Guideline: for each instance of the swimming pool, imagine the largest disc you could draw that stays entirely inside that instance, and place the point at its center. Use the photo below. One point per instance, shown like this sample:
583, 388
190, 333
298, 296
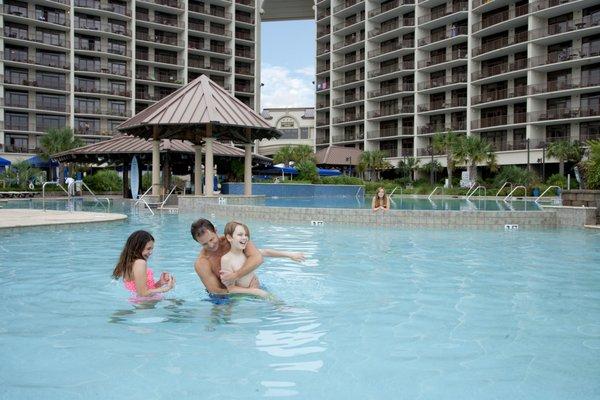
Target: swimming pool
374, 313
405, 203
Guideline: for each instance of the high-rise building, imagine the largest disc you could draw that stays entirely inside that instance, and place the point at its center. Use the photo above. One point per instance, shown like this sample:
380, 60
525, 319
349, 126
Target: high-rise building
91, 64
390, 74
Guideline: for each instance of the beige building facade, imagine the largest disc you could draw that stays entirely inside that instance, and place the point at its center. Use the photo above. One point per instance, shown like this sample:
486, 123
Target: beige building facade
297, 126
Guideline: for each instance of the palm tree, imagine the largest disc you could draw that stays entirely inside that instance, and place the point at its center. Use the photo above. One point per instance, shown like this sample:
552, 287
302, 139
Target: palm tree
473, 150
284, 155
296, 154
373, 161
446, 143
564, 151
412, 164
56, 141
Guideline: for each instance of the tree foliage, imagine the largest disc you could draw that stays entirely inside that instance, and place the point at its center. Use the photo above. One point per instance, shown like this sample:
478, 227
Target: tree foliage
446, 143
307, 171
564, 151
58, 140
373, 162
297, 154
592, 165
473, 150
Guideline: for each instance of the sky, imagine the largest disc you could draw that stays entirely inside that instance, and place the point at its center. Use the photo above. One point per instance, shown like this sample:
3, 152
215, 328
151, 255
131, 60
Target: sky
288, 64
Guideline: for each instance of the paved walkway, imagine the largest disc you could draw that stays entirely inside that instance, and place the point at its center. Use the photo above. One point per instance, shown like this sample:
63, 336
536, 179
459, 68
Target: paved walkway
14, 218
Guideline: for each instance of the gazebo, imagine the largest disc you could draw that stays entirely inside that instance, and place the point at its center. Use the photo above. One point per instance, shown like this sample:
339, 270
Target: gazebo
200, 112
175, 155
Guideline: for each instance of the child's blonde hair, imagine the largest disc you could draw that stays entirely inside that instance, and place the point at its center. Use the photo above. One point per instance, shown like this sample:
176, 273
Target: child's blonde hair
230, 228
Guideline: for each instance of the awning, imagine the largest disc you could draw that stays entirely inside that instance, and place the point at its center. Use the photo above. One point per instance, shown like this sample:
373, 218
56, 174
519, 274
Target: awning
294, 171
38, 162
4, 162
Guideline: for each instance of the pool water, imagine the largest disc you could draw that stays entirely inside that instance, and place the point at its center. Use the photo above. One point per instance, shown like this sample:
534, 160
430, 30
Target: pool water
372, 314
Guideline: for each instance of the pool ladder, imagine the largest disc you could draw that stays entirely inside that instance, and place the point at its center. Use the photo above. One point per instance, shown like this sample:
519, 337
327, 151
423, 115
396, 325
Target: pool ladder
510, 195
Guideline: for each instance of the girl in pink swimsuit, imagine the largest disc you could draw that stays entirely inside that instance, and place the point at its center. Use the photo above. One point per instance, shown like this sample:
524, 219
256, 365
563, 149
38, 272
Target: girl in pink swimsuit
133, 268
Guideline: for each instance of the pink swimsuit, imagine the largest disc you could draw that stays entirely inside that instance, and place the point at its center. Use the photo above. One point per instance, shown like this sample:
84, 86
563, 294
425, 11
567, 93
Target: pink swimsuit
130, 285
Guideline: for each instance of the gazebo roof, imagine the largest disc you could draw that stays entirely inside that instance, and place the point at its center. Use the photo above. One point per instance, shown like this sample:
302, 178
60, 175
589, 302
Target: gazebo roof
124, 147
338, 155
199, 109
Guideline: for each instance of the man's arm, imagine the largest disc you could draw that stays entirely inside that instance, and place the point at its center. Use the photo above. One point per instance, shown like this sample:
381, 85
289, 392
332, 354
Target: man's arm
209, 280
253, 259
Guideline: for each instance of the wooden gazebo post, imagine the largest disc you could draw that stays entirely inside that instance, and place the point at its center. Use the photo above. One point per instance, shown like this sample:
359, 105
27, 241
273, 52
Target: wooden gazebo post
156, 162
208, 163
197, 169
247, 165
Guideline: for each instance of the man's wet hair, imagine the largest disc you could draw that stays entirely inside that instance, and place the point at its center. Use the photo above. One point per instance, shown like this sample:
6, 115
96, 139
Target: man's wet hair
200, 227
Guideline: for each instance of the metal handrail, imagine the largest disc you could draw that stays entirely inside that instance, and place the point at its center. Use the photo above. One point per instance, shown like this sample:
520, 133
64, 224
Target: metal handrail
431, 194
169, 195
475, 191
142, 196
503, 186
391, 194
57, 183
470, 188
548, 188
508, 196
96, 197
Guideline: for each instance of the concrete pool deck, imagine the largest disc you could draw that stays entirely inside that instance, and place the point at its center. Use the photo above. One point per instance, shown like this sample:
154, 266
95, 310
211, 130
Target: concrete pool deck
19, 218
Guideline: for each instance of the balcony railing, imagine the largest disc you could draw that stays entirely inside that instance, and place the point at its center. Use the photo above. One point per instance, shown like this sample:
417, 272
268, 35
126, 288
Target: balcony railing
346, 24
322, 121
390, 6
322, 139
348, 42
347, 80
435, 128
209, 29
450, 9
102, 111
543, 4
390, 132
323, 14
33, 37
454, 55
564, 113
348, 99
499, 95
553, 86
388, 48
569, 26
439, 105
34, 83
450, 33
244, 18
501, 43
241, 70
161, 58
348, 137
243, 36
214, 49
346, 4
500, 69
244, 53
443, 81
249, 3
408, 109
498, 120
31, 14
172, 41
501, 16
103, 90
244, 88
403, 87
348, 61
348, 118
392, 68
115, 8
160, 20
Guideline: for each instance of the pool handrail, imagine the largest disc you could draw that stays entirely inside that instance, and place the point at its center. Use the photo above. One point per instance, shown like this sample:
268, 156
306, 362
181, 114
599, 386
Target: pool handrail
391, 194
548, 188
471, 188
57, 183
503, 186
508, 196
96, 197
169, 195
433, 191
142, 196
475, 191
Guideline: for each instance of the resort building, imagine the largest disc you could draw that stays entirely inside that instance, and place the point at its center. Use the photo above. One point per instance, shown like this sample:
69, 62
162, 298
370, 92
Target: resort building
390, 74
297, 126
91, 64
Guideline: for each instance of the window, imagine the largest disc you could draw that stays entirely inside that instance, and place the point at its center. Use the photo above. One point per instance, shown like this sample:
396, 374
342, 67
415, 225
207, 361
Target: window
590, 103
52, 37
16, 121
116, 107
86, 84
46, 122
589, 130
112, 125
557, 132
52, 102
87, 126
16, 99
15, 76
118, 68
51, 59
51, 80
91, 43
16, 8
16, 144
18, 54
18, 31
84, 21
590, 75
85, 105
50, 15
303, 133
87, 64
118, 88
117, 47
289, 133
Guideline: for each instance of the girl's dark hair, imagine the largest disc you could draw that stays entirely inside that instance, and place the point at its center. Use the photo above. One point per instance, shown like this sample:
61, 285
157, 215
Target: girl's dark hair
132, 251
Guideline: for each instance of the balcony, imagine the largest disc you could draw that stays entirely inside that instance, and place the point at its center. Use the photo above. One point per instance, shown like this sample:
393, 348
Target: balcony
390, 132
450, 9
322, 122
31, 14
244, 18
34, 37
409, 109
389, 152
323, 14
322, 139
408, 65
544, 4
554, 86
440, 105
563, 27
102, 111
345, 24
563, 113
171, 41
348, 42
346, 4
105, 90
390, 6
171, 22
213, 49
429, 129
323, 86
249, 3
244, 53
348, 80
501, 16
41, 84
168, 3
347, 61
348, 99
443, 81
450, 33
16, 126
390, 48
348, 137
499, 95
244, 36
240, 70
405, 87
209, 29
500, 120
208, 11
406, 22
500, 69
501, 43
348, 118
114, 8
244, 88
454, 56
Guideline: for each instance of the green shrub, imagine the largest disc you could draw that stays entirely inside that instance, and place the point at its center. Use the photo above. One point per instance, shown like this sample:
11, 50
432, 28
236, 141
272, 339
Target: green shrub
515, 175
104, 181
592, 165
146, 179
557, 180
307, 171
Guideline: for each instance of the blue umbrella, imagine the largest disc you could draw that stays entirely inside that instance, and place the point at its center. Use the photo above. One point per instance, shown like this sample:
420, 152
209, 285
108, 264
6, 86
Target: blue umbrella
294, 171
38, 162
4, 162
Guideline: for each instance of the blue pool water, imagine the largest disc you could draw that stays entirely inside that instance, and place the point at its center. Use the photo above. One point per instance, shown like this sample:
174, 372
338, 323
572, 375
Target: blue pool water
405, 203
372, 314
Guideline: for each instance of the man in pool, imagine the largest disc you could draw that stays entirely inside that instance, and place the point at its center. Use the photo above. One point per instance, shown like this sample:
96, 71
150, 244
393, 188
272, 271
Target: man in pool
208, 263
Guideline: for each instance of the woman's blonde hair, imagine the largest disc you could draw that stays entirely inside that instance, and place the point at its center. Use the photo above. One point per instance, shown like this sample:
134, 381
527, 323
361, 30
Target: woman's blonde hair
381, 201
230, 228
